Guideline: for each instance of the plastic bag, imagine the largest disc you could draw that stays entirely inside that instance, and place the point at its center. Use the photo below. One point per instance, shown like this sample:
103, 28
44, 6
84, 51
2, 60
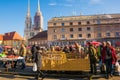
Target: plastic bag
34, 67
117, 65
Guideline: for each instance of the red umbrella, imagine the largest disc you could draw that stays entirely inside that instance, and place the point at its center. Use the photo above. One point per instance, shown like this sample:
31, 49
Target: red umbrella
7, 46
96, 43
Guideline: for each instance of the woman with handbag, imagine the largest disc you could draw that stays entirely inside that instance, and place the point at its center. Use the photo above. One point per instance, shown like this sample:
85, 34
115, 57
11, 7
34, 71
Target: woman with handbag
38, 61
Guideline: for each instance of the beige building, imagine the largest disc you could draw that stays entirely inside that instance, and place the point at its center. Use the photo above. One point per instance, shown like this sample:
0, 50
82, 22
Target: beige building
67, 30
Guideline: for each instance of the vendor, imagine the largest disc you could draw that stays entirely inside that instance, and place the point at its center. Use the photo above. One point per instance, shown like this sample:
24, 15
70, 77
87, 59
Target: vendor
5, 51
1, 49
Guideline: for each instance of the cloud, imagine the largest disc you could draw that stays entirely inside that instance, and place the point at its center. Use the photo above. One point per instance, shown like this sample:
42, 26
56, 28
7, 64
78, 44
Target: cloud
55, 4
95, 1
52, 4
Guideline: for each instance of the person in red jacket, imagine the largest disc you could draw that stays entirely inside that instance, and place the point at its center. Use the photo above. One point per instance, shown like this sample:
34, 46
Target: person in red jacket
109, 58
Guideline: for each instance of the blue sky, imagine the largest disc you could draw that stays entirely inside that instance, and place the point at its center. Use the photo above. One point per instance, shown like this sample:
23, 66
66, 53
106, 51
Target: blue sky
13, 12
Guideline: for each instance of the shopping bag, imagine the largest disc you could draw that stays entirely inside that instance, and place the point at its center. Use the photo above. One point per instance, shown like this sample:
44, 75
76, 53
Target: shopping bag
117, 65
34, 67
103, 66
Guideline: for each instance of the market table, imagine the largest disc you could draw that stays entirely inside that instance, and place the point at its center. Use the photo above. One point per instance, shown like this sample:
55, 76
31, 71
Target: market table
7, 60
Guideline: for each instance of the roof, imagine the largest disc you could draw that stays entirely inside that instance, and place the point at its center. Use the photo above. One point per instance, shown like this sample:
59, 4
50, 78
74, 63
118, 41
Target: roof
12, 36
1, 37
85, 17
40, 35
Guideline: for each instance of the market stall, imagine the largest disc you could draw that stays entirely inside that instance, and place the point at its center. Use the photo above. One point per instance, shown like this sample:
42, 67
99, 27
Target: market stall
9, 60
60, 62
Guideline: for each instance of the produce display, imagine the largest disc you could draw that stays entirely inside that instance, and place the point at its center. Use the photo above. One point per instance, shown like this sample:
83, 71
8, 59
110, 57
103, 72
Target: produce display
12, 56
2, 55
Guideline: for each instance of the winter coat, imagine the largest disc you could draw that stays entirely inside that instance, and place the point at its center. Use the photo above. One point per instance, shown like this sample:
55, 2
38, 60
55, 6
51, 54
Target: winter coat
92, 54
33, 51
113, 54
23, 51
38, 59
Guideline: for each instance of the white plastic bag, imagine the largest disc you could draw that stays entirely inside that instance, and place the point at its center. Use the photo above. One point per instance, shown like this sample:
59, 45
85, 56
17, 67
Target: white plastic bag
34, 67
117, 66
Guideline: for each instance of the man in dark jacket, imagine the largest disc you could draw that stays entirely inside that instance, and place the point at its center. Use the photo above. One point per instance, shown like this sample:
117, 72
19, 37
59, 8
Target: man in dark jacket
33, 51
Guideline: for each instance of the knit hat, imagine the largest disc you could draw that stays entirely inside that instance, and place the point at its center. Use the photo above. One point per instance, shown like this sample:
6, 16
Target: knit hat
108, 42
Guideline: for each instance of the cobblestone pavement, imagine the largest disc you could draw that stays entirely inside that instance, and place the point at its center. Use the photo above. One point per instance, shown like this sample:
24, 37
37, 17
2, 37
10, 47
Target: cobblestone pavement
18, 77
29, 71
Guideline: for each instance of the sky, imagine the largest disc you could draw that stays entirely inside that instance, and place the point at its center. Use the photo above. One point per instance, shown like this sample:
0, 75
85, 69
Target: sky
13, 12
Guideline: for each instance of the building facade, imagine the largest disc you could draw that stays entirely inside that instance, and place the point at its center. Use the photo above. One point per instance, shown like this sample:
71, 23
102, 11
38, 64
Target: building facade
11, 39
39, 39
33, 29
67, 30
1, 39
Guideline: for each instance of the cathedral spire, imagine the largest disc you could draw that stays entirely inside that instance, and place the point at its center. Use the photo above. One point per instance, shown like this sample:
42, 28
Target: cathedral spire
38, 7
28, 12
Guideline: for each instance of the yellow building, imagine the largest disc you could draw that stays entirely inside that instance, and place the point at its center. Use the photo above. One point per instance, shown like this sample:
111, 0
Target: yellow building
70, 29
1, 39
12, 39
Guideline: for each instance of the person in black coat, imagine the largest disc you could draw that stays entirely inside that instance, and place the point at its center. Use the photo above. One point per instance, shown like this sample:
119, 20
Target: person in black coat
33, 51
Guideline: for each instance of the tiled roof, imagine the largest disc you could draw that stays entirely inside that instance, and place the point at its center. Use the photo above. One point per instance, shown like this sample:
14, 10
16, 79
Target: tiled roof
40, 35
12, 36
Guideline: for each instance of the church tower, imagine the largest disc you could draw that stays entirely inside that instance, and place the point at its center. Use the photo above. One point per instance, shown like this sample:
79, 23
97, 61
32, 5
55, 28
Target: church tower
38, 20
31, 30
28, 23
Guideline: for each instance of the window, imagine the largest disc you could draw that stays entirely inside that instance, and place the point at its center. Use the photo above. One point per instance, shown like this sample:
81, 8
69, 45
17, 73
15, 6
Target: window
80, 35
108, 34
71, 23
88, 35
98, 21
88, 28
54, 30
99, 35
79, 23
54, 24
62, 24
31, 34
71, 36
117, 34
62, 30
79, 29
27, 26
88, 22
63, 36
54, 37
71, 29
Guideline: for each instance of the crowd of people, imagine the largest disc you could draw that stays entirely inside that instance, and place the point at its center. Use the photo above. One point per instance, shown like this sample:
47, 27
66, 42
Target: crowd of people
103, 54
14, 52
